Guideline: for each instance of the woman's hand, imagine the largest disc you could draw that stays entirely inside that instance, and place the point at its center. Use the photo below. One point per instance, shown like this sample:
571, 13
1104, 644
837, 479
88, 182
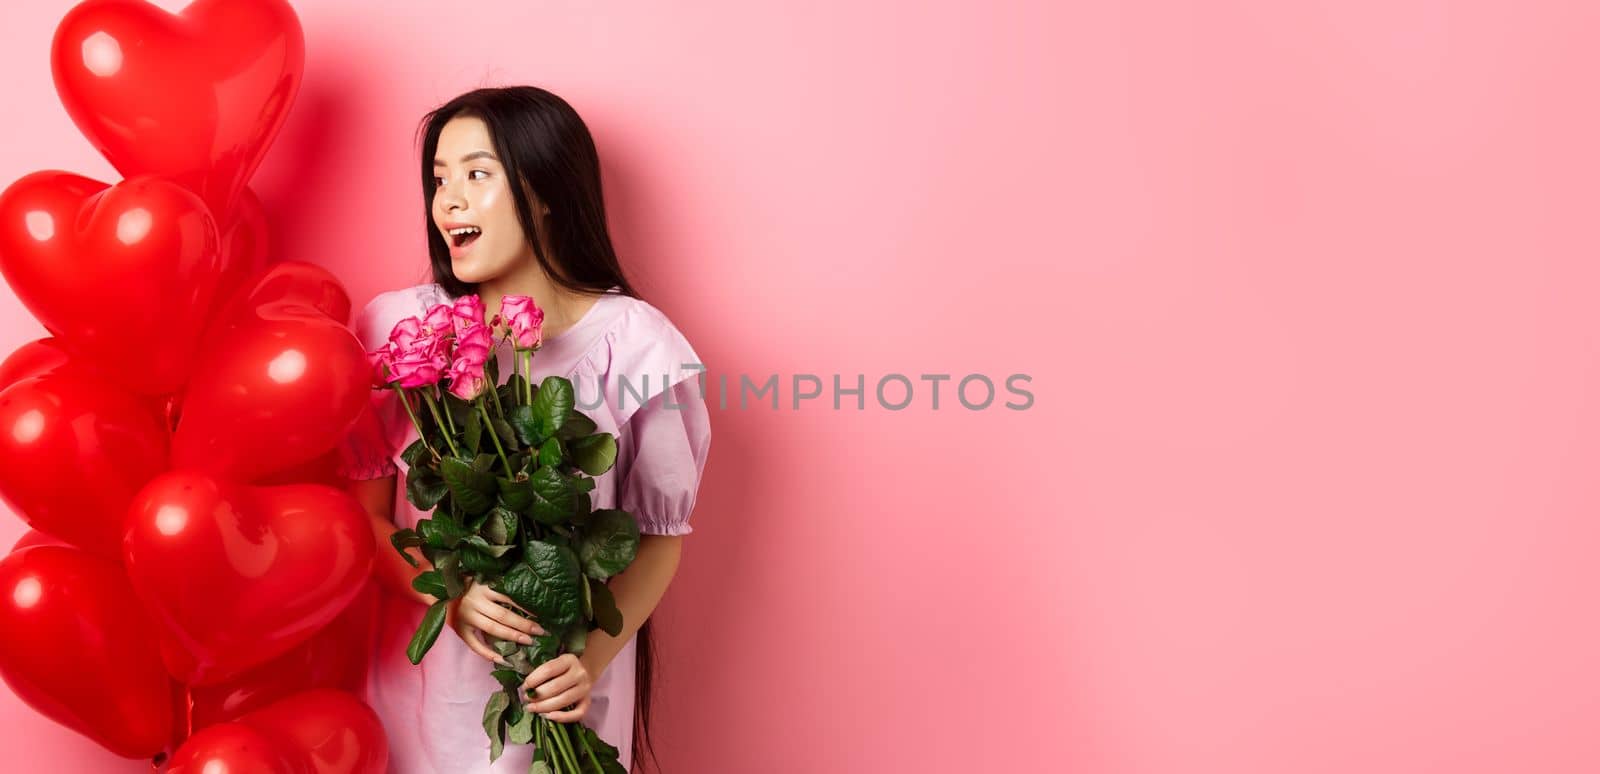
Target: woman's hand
481, 609
557, 683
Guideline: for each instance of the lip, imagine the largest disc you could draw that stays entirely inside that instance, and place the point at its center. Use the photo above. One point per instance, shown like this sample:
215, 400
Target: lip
457, 252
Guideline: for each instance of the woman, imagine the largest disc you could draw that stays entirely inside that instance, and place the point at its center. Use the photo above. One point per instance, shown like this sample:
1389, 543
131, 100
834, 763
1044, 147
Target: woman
511, 183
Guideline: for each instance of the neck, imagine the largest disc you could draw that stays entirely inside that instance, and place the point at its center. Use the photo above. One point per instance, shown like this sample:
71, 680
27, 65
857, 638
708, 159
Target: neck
562, 307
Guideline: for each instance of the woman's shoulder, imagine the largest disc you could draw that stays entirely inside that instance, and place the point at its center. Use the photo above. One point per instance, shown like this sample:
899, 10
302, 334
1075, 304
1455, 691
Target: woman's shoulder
642, 331
639, 354
373, 324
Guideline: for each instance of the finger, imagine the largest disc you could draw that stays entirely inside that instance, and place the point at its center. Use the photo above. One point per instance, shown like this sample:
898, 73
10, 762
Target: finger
495, 596
495, 628
559, 701
561, 664
476, 645
543, 693
498, 613
570, 716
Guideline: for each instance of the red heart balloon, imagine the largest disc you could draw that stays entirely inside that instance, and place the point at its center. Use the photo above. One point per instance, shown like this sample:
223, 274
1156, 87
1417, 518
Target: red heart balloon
76, 451
233, 748
124, 275
238, 575
33, 538
280, 386
47, 355
245, 242
335, 657
31, 359
285, 283
313, 732
197, 97
79, 649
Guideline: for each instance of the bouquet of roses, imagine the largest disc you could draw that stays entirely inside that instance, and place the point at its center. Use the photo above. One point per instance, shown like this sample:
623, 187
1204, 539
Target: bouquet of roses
507, 470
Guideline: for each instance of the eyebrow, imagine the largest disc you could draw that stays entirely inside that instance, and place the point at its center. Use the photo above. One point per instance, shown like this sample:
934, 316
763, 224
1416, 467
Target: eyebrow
481, 154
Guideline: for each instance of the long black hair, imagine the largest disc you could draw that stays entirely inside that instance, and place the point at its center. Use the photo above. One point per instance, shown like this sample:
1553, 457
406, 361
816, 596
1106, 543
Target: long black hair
546, 149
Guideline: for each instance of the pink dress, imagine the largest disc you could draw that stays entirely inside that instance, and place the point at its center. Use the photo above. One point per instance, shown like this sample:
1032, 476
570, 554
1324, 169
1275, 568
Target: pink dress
635, 375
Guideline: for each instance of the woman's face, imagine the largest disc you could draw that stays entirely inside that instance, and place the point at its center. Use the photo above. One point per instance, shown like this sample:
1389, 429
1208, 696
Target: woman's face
474, 194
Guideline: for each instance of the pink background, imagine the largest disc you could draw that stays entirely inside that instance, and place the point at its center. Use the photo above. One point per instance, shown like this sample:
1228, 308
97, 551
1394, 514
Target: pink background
1306, 291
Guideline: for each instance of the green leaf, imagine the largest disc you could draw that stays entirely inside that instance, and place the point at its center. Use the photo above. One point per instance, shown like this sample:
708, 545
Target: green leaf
514, 495
610, 541
553, 496
576, 637
458, 409
501, 528
479, 562
403, 539
502, 428
472, 432
484, 462
424, 488
540, 764
596, 453
550, 453
606, 614
430, 582
427, 631
450, 571
492, 712
577, 426
610, 760
525, 425
472, 489
480, 544
441, 532
545, 584
521, 730
415, 453
544, 647
552, 404
508, 678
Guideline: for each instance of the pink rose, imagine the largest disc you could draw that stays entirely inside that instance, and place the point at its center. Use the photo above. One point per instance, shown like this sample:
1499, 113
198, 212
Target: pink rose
379, 360
468, 310
475, 336
467, 380
526, 320
417, 369
440, 319
404, 332
415, 356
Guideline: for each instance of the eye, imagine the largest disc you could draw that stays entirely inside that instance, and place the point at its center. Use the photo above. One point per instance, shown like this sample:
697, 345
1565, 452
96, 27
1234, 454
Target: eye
476, 171
438, 181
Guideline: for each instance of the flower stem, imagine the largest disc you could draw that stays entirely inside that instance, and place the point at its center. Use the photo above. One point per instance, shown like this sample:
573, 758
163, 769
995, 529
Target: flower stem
584, 740
410, 412
448, 437
528, 382
450, 420
565, 743
496, 436
494, 392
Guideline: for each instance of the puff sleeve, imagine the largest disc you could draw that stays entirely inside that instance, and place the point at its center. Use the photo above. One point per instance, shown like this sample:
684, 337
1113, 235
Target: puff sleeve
662, 451
367, 450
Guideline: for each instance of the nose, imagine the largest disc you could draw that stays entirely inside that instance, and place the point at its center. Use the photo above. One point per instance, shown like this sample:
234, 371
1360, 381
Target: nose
448, 197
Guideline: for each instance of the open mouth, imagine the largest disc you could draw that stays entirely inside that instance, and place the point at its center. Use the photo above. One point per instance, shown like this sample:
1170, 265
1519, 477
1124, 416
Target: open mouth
461, 237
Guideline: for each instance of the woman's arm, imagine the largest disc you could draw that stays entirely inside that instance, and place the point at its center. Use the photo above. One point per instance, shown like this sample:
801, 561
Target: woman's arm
377, 498
638, 589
